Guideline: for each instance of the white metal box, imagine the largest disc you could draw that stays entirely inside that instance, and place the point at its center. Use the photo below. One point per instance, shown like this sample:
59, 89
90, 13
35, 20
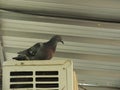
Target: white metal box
38, 75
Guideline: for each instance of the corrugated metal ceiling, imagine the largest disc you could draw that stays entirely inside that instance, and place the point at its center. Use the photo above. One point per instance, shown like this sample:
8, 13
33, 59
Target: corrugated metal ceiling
104, 10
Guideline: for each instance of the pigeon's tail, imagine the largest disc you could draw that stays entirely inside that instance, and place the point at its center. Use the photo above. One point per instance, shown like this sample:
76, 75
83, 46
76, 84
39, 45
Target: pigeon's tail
20, 57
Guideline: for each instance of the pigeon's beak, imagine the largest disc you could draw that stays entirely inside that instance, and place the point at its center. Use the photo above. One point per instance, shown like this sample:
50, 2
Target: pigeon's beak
62, 42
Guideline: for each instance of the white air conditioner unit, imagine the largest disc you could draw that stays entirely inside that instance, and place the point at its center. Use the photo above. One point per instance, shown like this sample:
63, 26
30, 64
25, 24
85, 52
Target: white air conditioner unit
38, 75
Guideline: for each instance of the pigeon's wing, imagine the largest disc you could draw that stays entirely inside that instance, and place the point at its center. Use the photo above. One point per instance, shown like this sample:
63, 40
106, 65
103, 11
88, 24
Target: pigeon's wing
31, 51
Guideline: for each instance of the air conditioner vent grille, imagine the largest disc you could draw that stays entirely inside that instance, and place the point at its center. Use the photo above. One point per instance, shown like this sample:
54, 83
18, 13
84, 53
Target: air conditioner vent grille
34, 79
47, 79
46, 72
21, 73
21, 86
47, 85
21, 79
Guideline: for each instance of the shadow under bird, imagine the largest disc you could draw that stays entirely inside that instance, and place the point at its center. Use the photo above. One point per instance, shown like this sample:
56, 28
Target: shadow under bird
40, 51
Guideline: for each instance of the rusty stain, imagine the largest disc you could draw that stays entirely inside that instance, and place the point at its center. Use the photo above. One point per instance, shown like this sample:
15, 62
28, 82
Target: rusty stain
63, 68
22, 63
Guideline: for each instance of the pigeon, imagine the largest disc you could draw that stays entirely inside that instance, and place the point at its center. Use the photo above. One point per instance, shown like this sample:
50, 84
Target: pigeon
40, 51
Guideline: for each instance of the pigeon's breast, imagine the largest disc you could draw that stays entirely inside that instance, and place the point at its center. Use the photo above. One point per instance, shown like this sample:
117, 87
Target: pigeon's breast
49, 54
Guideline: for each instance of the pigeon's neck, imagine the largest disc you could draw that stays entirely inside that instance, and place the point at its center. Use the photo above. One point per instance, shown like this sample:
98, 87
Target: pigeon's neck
52, 45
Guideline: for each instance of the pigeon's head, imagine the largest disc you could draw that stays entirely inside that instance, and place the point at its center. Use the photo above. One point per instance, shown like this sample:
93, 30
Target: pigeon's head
57, 38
